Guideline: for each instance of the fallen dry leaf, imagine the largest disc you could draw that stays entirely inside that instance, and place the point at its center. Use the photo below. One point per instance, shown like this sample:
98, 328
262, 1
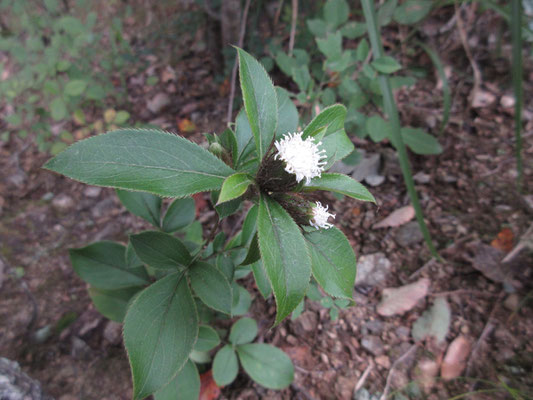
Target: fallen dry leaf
199, 202
425, 372
504, 240
455, 359
400, 300
208, 388
482, 98
397, 217
186, 125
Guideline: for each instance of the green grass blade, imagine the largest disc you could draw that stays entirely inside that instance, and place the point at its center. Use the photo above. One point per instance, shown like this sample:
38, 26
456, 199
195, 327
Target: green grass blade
516, 70
392, 112
446, 92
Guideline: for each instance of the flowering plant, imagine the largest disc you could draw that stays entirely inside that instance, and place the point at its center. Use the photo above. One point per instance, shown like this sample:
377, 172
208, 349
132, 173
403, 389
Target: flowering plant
167, 286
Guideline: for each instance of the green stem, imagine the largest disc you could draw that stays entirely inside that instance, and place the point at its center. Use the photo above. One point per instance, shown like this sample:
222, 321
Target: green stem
516, 37
392, 112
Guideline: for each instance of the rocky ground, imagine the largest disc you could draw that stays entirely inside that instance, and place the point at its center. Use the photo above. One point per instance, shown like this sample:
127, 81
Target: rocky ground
421, 327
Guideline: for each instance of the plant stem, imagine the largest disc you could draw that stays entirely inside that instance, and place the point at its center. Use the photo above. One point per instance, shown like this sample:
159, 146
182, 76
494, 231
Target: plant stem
392, 112
516, 37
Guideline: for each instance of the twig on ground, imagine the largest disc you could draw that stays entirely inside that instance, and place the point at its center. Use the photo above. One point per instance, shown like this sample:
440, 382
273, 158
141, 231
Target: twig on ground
363, 377
234, 70
301, 390
422, 268
463, 291
398, 361
489, 326
293, 25
526, 241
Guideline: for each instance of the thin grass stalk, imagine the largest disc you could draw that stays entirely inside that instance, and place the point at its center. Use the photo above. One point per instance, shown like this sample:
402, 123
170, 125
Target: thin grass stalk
516, 38
392, 112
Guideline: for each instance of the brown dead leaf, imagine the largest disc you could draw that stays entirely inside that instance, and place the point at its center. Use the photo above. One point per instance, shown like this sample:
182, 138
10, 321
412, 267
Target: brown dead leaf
208, 388
402, 299
455, 359
168, 74
396, 218
199, 202
186, 125
504, 241
482, 98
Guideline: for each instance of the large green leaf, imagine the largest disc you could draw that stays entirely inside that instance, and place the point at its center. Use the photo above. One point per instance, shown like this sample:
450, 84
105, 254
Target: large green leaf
266, 364
113, 304
160, 250
144, 205
185, 386
142, 159
103, 266
160, 330
287, 113
332, 260
284, 255
225, 366
260, 100
211, 286
341, 183
179, 214
234, 186
328, 127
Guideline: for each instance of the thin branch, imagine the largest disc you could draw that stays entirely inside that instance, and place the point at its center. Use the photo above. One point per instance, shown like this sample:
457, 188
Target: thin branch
363, 377
293, 25
234, 71
401, 359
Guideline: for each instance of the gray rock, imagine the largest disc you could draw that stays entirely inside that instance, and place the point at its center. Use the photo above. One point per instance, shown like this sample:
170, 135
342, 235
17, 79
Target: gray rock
63, 203
158, 102
16, 385
409, 234
113, 332
307, 321
421, 177
372, 269
373, 344
102, 207
92, 191
80, 350
369, 166
375, 326
375, 180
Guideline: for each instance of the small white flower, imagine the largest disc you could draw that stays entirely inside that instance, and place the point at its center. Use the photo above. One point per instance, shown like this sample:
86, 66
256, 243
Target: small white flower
320, 217
302, 158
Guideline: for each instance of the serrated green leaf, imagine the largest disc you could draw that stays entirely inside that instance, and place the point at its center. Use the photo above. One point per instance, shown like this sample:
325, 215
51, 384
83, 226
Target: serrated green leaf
341, 183
420, 142
261, 279
243, 331
141, 159
211, 286
260, 101
160, 250
267, 365
225, 366
112, 304
144, 205
386, 65
332, 261
184, 386
103, 266
284, 255
412, 11
75, 87
160, 330
207, 339
253, 254
234, 186
180, 214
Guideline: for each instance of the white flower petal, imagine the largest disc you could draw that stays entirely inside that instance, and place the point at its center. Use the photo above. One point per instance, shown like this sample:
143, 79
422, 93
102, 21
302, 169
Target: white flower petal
320, 217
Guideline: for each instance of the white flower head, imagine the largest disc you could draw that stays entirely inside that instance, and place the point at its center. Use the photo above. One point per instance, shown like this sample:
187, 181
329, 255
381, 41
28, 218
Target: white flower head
320, 217
302, 158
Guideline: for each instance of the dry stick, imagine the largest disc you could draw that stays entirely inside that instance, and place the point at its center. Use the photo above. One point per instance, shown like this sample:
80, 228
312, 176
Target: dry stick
234, 71
293, 25
363, 377
464, 41
489, 326
394, 365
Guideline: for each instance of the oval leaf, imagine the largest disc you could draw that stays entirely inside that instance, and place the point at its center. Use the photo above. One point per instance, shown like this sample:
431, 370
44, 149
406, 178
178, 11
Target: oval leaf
144, 205
113, 304
260, 100
160, 330
333, 261
179, 214
148, 160
160, 250
103, 265
243, 331
211, 286
207, 339
386, 65
284, 254
225, 366
185, 386
267, 365
234, 186
343, 184
420, 142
